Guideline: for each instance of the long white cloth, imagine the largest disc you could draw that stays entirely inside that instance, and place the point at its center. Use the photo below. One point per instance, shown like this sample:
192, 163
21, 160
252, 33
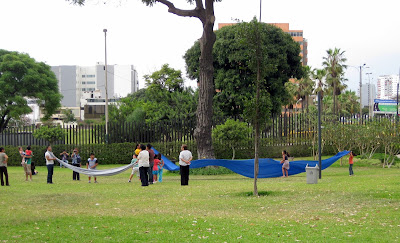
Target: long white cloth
109, 172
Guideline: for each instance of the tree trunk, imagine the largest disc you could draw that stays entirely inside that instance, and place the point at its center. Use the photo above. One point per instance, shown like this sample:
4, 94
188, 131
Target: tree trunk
233, 153
206, 90
334, 98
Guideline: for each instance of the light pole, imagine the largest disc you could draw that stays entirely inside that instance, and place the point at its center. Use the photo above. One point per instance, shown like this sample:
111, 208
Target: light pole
295, 112
260, 9
105, 54
319, 135
369, 95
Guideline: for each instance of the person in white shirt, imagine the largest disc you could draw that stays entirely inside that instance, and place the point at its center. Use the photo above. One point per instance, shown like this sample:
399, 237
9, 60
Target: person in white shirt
184, 162
144, 164
50, 164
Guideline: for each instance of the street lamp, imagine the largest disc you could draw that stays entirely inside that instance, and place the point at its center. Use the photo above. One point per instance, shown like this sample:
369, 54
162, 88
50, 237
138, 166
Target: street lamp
295, 112
369, 95
105, 54
260, 9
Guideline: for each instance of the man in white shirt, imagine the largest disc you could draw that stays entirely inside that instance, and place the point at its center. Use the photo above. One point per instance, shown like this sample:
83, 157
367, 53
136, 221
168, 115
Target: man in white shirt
184, 162
50, 164
144, 164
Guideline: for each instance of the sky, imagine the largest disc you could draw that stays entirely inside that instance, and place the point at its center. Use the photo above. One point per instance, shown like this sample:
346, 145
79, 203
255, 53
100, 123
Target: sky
58, 33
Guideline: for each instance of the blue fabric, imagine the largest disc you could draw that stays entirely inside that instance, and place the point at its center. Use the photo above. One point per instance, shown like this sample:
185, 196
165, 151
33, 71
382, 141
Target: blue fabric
267, 168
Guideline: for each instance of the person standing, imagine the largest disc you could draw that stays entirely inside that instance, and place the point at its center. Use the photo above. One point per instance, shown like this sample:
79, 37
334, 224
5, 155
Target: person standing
50, 164
91, 165
144, 164
28, 163
160, 167
155, 169
285, 162
184, 162
3, 166
76, 161
137, 150
351, 163
135, 168
64, 157
151, 161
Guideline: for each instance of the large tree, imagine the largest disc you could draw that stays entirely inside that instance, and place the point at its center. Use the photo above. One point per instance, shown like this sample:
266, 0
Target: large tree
21, 77
334, 64
233, 77
204, 11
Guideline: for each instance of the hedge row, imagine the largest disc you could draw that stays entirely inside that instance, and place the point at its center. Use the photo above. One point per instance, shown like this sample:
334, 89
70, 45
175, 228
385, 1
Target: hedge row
121, 153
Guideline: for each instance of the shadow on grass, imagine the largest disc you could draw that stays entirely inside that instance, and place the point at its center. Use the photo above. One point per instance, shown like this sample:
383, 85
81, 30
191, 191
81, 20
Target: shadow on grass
260, 193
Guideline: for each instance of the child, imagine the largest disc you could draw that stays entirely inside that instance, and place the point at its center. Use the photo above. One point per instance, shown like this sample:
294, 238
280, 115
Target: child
91, 165
155, 169
137, 150
64, 155
28, 162
135, 168
285, 162
351, 163
160, 167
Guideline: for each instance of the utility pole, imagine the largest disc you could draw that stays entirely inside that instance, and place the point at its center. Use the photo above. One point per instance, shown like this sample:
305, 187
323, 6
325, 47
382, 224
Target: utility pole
319, 135
260, 9
369, 96
105, 68
361, 106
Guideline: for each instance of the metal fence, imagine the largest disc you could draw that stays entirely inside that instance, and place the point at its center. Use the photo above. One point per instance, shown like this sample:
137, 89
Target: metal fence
287, 128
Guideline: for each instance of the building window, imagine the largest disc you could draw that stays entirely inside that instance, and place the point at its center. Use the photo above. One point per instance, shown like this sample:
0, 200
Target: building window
83, 89
83, 82
90, 89
91, 82
90, 76
83, 75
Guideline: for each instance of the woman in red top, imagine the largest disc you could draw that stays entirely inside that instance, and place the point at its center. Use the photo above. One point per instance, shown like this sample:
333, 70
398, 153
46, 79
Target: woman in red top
351, 163
155, 168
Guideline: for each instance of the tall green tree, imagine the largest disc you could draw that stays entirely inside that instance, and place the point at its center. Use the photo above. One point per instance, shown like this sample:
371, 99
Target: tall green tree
21, 77
234, 79
319, 76
334, 63
204, 11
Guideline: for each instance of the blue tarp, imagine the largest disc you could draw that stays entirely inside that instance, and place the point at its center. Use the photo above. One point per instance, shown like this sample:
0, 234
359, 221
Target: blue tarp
268, 167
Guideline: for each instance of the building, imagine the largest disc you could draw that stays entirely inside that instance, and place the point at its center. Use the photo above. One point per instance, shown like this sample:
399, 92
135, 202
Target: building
387, 87
297, 35
74, 81
369, 94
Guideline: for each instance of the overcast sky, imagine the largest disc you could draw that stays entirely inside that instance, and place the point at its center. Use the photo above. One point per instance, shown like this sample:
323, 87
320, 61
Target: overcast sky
58, 33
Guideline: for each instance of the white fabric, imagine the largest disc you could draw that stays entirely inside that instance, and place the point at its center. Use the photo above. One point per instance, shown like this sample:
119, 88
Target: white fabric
92, 172
186, 155
143, 159
50, 155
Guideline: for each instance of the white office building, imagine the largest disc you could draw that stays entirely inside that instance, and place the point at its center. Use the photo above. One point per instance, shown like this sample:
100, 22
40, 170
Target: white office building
76, 82
368, 94
387, 87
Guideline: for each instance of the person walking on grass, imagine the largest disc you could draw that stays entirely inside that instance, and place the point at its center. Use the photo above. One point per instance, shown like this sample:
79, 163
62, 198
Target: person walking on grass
28, 163
64, 157
184, 162
144, 164
50, 164
91, 165
76, 161
285, 162
3, 166
151, 161
160, 166
351, 163
135, 168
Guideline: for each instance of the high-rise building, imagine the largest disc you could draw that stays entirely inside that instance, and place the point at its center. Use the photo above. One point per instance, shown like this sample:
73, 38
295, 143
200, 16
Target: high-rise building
387, 87
76, 81
297, 35
369, 94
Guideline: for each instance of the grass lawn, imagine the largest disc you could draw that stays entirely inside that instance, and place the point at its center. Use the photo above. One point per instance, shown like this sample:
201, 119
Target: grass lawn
361, 208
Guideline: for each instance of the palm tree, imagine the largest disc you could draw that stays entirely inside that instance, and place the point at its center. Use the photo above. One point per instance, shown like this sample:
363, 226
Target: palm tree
319, 75
334, 66
305, 87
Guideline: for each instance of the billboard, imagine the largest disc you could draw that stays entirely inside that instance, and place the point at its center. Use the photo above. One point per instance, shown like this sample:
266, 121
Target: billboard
385, 106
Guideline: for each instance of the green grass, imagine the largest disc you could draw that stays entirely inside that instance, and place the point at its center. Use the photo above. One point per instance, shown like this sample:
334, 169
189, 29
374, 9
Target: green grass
361, 208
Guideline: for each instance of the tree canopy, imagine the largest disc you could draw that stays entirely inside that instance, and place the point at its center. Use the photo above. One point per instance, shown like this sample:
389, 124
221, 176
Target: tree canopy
165, 98
21, 77
234, 79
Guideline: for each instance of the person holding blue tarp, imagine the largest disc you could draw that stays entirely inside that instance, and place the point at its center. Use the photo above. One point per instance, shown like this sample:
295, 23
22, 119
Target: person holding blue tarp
184, 162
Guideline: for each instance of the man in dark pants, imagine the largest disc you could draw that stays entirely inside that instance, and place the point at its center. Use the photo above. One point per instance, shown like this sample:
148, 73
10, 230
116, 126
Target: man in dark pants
184, 162
76, 161
143, 171
50, 164
3, 166
151, 160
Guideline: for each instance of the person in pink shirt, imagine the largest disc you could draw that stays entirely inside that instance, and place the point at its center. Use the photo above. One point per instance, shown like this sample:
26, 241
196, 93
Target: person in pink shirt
155, 169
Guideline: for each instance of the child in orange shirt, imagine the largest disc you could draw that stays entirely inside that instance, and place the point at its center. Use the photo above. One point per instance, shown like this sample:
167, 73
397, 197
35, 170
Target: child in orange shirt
351, 163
